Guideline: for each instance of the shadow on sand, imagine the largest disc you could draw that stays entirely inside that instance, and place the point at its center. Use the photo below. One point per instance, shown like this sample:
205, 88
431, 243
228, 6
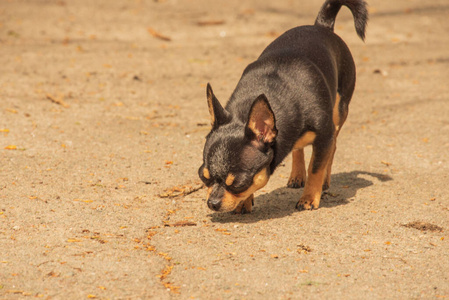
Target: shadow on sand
281, 202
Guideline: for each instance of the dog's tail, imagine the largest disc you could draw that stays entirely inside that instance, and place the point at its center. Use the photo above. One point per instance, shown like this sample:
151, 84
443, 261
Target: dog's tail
330, 9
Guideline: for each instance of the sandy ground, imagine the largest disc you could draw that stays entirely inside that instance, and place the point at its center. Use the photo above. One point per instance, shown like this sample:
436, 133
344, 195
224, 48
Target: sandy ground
102, 123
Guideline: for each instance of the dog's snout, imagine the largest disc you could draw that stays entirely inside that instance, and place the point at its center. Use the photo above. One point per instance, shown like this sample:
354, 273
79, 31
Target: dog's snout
214, 204
215, 197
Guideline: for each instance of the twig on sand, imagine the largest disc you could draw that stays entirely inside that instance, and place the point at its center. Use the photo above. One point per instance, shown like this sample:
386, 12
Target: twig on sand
182, 190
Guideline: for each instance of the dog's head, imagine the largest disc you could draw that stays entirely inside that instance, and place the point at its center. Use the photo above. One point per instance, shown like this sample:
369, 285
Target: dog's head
237, 155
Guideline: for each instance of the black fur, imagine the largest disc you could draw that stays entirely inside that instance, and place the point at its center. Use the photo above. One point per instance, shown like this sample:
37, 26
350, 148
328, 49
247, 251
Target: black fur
300, 73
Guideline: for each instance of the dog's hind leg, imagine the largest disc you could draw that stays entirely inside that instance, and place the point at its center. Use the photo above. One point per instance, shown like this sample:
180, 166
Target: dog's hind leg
340, 114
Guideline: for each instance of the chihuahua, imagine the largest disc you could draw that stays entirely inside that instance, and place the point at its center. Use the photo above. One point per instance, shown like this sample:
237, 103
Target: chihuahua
295, 94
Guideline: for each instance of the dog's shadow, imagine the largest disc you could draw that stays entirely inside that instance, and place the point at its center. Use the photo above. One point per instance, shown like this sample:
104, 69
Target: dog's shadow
281, 202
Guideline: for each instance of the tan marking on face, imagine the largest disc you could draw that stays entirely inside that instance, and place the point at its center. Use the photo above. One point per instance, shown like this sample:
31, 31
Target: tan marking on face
260, 180
206, 173
306, 139
230, 179
336, 112
231, 201
228, 203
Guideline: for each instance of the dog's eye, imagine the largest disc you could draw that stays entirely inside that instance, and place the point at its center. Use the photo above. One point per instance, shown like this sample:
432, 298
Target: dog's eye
238, 189
207, 182
204, 175
240, 184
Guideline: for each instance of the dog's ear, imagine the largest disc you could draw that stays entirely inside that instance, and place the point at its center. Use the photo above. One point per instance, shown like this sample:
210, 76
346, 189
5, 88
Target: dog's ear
261, 120
218, 114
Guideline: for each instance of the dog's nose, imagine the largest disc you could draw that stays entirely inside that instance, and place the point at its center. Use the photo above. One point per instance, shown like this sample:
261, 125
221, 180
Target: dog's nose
214, 204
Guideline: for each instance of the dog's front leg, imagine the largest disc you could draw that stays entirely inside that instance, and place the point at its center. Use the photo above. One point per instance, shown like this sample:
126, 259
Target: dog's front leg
298, 175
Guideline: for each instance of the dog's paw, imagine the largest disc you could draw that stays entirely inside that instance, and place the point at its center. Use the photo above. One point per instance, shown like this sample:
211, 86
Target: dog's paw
308, 203
295, 183
305, 206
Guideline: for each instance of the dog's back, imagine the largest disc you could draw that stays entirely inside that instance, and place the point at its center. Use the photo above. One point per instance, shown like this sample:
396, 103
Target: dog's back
300, 73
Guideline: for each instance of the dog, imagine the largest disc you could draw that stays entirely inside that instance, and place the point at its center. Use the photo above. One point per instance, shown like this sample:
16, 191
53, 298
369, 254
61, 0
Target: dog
295, 94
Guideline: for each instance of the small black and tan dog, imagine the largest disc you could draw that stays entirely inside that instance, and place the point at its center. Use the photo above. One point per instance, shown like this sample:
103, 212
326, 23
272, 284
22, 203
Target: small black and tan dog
295, 94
